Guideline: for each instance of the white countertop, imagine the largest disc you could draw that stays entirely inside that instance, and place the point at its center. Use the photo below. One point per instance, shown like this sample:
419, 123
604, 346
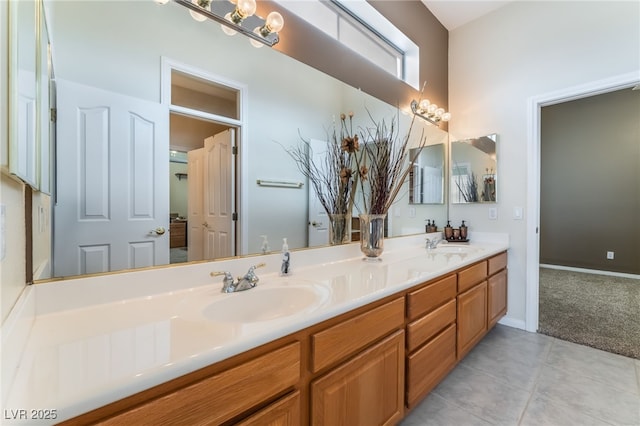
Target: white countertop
83, 354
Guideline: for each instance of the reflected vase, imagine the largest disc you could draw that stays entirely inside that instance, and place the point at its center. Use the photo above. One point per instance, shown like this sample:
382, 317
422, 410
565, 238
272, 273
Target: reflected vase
339, 229
372, 235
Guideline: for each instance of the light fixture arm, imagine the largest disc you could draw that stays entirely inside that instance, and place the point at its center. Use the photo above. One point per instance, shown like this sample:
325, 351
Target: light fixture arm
270, 39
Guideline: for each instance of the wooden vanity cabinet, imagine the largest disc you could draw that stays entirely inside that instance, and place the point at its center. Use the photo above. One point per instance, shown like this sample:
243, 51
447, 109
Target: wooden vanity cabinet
367, 366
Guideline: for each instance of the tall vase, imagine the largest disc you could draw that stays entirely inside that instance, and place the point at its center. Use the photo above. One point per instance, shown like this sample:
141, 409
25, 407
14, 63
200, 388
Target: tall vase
372, 234
339, 229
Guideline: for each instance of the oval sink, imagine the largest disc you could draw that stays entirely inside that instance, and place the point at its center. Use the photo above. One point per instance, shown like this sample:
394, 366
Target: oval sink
264, 304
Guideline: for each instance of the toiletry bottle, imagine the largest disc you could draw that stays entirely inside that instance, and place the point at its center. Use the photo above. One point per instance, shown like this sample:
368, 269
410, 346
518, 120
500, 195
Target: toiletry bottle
265, 244
448, 231
434, 228
427, 228
285, 269
463, 231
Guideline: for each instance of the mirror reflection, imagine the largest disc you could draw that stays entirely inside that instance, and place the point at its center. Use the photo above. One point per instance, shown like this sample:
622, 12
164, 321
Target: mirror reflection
426, 179
136, 192
474, 170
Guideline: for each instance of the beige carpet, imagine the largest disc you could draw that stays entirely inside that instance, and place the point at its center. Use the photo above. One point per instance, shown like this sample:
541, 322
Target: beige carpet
594, 310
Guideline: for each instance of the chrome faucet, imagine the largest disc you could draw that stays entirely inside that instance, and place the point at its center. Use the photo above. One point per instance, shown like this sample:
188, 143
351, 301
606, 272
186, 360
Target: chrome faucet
248, 281
433, 243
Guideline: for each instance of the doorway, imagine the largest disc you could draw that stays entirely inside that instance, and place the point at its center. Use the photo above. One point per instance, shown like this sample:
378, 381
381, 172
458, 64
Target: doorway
205, 117
533, 179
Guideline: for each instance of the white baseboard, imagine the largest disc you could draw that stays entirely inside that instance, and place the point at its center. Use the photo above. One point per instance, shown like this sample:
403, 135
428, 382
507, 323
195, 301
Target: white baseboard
590, 271
513, 322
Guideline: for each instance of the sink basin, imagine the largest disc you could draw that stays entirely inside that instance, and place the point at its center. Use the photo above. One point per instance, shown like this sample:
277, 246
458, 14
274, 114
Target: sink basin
264, 304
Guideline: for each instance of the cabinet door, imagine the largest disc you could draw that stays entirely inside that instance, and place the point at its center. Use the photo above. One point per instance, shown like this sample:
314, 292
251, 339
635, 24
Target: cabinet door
284, 412
472, 317
497, 297
367, 390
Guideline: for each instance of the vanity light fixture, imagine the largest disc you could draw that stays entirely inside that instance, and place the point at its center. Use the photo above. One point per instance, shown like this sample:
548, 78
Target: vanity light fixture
236, 16
430, 112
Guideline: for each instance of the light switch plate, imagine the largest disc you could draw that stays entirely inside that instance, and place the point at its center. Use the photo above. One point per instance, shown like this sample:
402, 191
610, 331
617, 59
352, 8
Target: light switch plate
493, 213
518, 213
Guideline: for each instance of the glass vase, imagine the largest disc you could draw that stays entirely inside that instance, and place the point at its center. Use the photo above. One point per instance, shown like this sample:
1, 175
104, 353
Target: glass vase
372, 234
339, 229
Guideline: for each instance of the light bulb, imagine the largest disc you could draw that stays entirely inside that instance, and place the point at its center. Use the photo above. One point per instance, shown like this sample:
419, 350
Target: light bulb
275, 22
446, 116
198, 16
424, 104
162, 1
227, 30
256, 43
431, 109
233, 1
439, 112
246, 7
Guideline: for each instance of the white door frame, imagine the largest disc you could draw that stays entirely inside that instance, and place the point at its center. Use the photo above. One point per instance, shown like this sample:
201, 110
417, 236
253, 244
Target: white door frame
167, 65
535, 105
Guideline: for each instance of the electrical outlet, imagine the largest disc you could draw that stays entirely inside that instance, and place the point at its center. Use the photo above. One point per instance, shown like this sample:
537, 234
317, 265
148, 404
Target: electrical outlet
493, 213
610, 255
412, 212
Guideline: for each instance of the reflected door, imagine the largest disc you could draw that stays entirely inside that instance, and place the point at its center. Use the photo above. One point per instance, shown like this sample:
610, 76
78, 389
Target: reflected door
112, 209
218, 201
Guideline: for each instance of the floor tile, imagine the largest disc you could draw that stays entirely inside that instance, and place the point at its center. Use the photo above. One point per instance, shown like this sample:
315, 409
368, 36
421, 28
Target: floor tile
543, 412
610, 369
436, 411
483, 395
584, 394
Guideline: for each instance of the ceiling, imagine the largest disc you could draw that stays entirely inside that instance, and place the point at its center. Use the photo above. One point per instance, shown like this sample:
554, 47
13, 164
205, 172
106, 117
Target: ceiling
455, 13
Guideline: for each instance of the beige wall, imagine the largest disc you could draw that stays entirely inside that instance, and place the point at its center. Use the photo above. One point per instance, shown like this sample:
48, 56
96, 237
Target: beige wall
590, 182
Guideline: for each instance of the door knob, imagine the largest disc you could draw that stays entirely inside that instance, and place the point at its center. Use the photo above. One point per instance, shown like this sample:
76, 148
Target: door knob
316, 224
159, 230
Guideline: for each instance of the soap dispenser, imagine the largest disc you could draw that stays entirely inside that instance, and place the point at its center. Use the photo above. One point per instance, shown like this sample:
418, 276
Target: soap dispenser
428, 226
265, 244
448, 231
463, 231
285, 269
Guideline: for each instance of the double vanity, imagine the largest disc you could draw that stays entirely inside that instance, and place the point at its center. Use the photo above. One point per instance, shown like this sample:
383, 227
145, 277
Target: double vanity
340, 341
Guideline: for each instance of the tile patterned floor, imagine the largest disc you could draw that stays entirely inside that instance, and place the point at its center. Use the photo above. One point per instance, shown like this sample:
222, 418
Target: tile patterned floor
516, 378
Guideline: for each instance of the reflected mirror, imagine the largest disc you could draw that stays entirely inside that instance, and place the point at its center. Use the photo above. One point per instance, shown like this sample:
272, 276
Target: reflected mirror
280, 97
427, 177
474, 169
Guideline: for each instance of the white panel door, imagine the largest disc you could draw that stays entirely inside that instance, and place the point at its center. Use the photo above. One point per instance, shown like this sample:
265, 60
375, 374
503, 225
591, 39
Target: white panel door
114, 193
318, 224
195, 209
218, 195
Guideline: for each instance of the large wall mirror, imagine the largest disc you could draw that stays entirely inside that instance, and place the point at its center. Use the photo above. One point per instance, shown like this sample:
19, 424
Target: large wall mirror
279, 100
474, 170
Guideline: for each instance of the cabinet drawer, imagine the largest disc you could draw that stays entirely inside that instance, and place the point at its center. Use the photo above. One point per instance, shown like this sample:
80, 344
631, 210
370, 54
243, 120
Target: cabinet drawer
427, 366
223, 396
431, 324
471, 276
426, 299
284, 412
497, 262
346, 338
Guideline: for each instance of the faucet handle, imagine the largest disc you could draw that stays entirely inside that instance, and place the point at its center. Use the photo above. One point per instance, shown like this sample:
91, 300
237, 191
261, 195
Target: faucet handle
259, 265
218, 273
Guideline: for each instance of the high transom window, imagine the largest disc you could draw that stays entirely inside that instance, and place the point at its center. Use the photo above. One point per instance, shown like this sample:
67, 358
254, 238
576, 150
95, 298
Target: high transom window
357, 25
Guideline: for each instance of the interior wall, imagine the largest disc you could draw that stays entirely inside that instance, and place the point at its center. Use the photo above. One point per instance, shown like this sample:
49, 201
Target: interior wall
498, 63
590, 182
